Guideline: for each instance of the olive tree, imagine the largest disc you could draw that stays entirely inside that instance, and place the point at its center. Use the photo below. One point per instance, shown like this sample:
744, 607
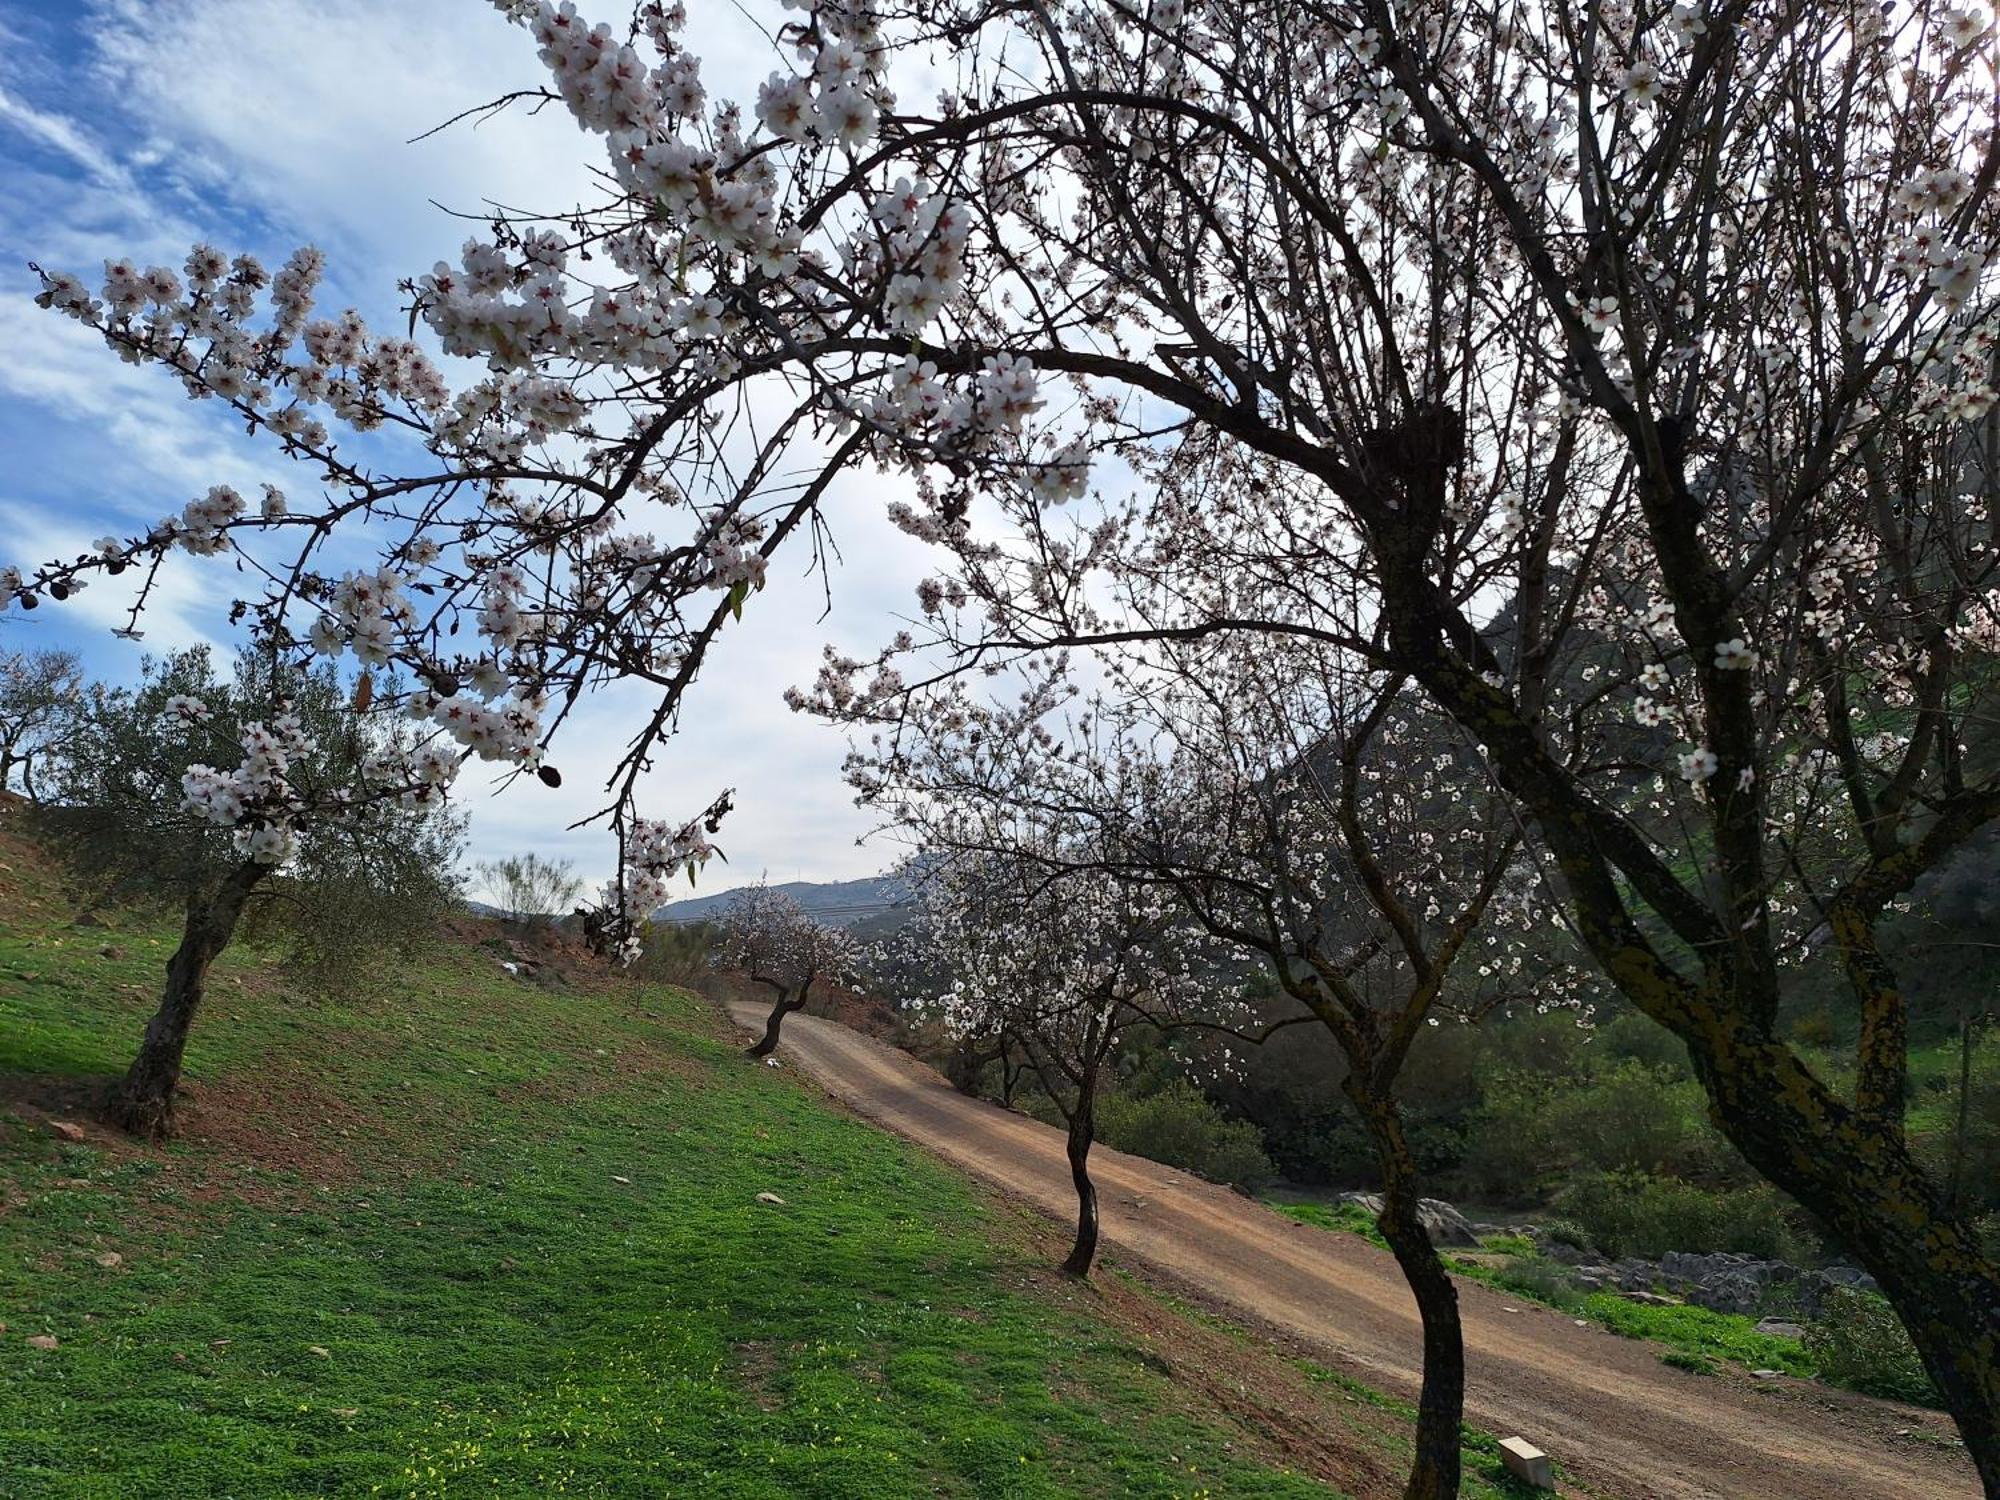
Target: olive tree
39, 693
322, 833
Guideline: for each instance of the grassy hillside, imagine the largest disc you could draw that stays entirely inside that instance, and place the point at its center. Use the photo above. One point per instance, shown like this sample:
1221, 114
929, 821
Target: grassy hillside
472, 1234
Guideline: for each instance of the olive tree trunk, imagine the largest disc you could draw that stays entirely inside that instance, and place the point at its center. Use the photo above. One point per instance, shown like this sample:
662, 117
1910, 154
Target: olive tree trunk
143, 1101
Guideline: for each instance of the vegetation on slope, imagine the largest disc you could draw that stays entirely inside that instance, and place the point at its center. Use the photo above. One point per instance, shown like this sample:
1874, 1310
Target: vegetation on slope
481, 1234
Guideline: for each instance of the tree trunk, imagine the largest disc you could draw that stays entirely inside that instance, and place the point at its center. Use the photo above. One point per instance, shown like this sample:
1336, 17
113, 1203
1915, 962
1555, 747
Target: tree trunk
143, 1101
1083, 1131
1954, 1193
783, 1006
1435, 1467
1863, 1183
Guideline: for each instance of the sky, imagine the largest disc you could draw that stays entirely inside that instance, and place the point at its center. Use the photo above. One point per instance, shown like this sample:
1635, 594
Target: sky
135, 128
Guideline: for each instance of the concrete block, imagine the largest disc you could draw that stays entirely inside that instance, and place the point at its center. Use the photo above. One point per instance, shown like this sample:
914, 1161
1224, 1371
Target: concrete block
1527, 1463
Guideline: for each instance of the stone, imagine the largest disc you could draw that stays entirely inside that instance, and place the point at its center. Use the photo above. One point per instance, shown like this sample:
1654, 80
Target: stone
1444, 1224
1729, 1293
42, 1341
111, 1260
1765, 1374
1527, 1463
1778, 1328
771, 1198
1650, 1299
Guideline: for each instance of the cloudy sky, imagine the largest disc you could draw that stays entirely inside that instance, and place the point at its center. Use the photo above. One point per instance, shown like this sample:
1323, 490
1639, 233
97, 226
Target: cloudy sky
135, 127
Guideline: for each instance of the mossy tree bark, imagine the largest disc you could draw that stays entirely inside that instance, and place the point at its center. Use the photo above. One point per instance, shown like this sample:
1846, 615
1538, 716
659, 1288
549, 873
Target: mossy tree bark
143, 1100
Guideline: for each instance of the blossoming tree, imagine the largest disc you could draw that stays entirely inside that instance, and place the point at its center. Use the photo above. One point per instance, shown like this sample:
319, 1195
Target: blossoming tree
1058, 959
767, 936
1304, 813
1667, 328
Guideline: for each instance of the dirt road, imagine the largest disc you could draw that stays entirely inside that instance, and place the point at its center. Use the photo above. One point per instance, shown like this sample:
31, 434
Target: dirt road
1604, 1406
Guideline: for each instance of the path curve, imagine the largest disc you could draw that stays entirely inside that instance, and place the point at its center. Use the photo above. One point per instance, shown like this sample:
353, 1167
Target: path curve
1603, 1406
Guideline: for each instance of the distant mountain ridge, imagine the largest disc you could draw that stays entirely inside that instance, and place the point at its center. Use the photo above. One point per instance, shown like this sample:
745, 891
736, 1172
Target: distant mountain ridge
839, 903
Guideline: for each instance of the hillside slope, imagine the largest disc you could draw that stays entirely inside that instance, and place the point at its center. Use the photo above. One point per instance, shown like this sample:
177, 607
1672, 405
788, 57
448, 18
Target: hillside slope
473, 1234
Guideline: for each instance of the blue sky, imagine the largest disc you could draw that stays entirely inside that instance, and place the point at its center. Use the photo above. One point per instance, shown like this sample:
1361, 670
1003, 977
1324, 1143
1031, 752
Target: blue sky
135, 127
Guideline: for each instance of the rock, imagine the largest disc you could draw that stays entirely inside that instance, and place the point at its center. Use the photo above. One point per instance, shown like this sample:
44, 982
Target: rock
42, 1341
625, 1180
111, 950
66, 1130
771, 1198
1778, 1328
1637, 1275
1729, 1293
1765, 1374
111, 1260
1650, 1299
1564, 1254
1444, 1224
318, 1350
345, 1411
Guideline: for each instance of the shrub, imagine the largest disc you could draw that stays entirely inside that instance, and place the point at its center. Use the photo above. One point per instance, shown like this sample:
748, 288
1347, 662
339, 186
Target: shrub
1513, 1142
1568, 1232
1859, 1342
1179, 1127
1633, 1117
1540, 1280
1630, 1213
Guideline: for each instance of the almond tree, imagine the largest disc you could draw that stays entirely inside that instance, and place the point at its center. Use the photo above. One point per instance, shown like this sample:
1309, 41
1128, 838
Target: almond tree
1656, 331
1055, 958
767, 936
1302, 811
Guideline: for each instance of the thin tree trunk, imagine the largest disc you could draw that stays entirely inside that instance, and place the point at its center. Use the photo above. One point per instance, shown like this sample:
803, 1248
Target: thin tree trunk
787, 1002
1083, 1131
1435, 1469
143, 1101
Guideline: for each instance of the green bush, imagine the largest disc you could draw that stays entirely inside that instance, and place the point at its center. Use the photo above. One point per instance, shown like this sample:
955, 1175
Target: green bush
1635, 1117
1568, 1232
1859, 1342
1631, 1213
1513, 1142
1179, 1127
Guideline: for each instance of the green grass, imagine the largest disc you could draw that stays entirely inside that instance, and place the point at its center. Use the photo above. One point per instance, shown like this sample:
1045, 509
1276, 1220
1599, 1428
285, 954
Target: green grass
1695, 1333
472, 1235
1346, 1217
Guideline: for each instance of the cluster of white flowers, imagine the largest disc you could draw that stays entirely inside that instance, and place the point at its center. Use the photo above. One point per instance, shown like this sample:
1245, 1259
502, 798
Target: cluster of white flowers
255, 799
510, 731
368, 610
655, 852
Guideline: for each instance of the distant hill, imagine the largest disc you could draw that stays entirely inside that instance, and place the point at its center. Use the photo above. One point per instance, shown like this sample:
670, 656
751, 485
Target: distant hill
839, 903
